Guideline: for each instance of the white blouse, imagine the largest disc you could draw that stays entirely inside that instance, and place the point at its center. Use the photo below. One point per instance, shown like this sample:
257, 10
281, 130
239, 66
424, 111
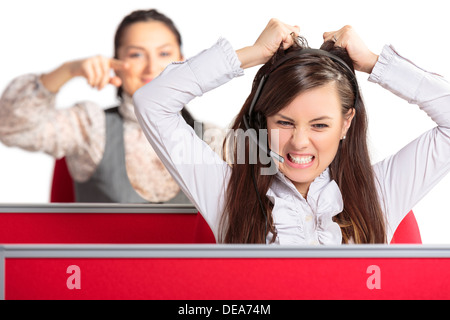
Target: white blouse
402, 179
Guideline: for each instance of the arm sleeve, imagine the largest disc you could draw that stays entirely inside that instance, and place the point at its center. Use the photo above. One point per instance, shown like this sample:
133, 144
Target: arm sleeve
407, 176
29, 120
199, 171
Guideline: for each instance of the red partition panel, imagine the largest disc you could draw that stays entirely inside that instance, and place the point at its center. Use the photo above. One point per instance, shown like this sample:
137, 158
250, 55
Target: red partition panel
96, 228
75, 224
227, 279
189, 275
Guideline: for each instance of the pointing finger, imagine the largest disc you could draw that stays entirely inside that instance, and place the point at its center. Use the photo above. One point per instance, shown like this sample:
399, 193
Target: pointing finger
118, 64
115, 81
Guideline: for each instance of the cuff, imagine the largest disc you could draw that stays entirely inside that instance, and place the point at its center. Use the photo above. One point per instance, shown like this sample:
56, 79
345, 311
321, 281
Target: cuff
397, 74
216, 66
383, 62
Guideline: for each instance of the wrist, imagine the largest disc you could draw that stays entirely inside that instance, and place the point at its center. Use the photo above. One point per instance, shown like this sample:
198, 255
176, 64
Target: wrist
250, 57
54, 80
373, 61
71, 69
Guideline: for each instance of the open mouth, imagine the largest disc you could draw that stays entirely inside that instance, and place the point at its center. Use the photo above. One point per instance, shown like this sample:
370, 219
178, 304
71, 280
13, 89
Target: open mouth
300, 159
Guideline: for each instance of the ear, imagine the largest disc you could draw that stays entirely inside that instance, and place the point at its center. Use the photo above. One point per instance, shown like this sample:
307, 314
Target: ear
347, 121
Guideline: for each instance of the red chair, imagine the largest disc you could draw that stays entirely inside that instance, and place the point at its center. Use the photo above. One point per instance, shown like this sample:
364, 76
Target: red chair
408, 231
62, 183
63, 191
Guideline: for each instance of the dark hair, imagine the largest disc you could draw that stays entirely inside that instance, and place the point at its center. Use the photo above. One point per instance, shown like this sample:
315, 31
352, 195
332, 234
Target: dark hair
361, 220
141, 16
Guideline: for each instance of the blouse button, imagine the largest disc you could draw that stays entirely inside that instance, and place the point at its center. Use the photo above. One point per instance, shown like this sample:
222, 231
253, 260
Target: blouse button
308, 218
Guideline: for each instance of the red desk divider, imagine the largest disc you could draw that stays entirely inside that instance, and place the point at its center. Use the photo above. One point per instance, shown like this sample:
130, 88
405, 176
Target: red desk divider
78, 223
225, 272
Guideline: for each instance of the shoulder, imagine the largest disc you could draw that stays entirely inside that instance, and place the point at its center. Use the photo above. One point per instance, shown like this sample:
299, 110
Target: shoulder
89, 113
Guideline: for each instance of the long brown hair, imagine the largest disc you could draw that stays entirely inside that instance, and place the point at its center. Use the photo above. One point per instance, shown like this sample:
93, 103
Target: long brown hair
362, 220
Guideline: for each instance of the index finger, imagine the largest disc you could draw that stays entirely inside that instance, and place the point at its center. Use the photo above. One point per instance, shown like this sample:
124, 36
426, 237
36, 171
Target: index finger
118, 64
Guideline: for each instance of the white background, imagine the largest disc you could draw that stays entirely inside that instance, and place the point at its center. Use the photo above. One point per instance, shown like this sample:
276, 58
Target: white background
37, 36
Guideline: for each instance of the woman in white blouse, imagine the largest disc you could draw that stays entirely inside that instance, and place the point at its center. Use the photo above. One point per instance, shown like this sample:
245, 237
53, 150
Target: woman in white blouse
325, 190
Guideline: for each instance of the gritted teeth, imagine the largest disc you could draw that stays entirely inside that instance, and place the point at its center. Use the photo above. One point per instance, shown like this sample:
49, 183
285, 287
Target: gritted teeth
300, 160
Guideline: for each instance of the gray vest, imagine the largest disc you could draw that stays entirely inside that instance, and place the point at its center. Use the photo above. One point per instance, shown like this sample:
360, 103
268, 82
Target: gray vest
110, 182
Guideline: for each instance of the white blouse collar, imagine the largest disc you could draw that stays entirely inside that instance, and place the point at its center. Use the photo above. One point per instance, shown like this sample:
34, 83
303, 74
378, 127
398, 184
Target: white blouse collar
306, 221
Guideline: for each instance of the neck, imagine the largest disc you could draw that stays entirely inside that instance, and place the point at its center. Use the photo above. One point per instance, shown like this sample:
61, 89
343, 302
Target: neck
302, 188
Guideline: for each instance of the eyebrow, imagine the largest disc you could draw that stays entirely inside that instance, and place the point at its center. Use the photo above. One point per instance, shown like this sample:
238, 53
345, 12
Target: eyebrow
313, 120
286, 118
321, 118
142, 48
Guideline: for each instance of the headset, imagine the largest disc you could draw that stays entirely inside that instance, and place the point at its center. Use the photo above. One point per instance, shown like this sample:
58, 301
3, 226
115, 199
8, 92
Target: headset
255, 121
252, 121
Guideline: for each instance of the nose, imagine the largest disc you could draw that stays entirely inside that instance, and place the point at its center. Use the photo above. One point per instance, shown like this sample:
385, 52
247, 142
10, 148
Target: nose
300, 138
149, 66
153, 67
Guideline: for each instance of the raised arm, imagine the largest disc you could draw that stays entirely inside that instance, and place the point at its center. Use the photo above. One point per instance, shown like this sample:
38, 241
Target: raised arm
404, 178
411, 173
267, 44
30, 120
200, 172
96, 70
